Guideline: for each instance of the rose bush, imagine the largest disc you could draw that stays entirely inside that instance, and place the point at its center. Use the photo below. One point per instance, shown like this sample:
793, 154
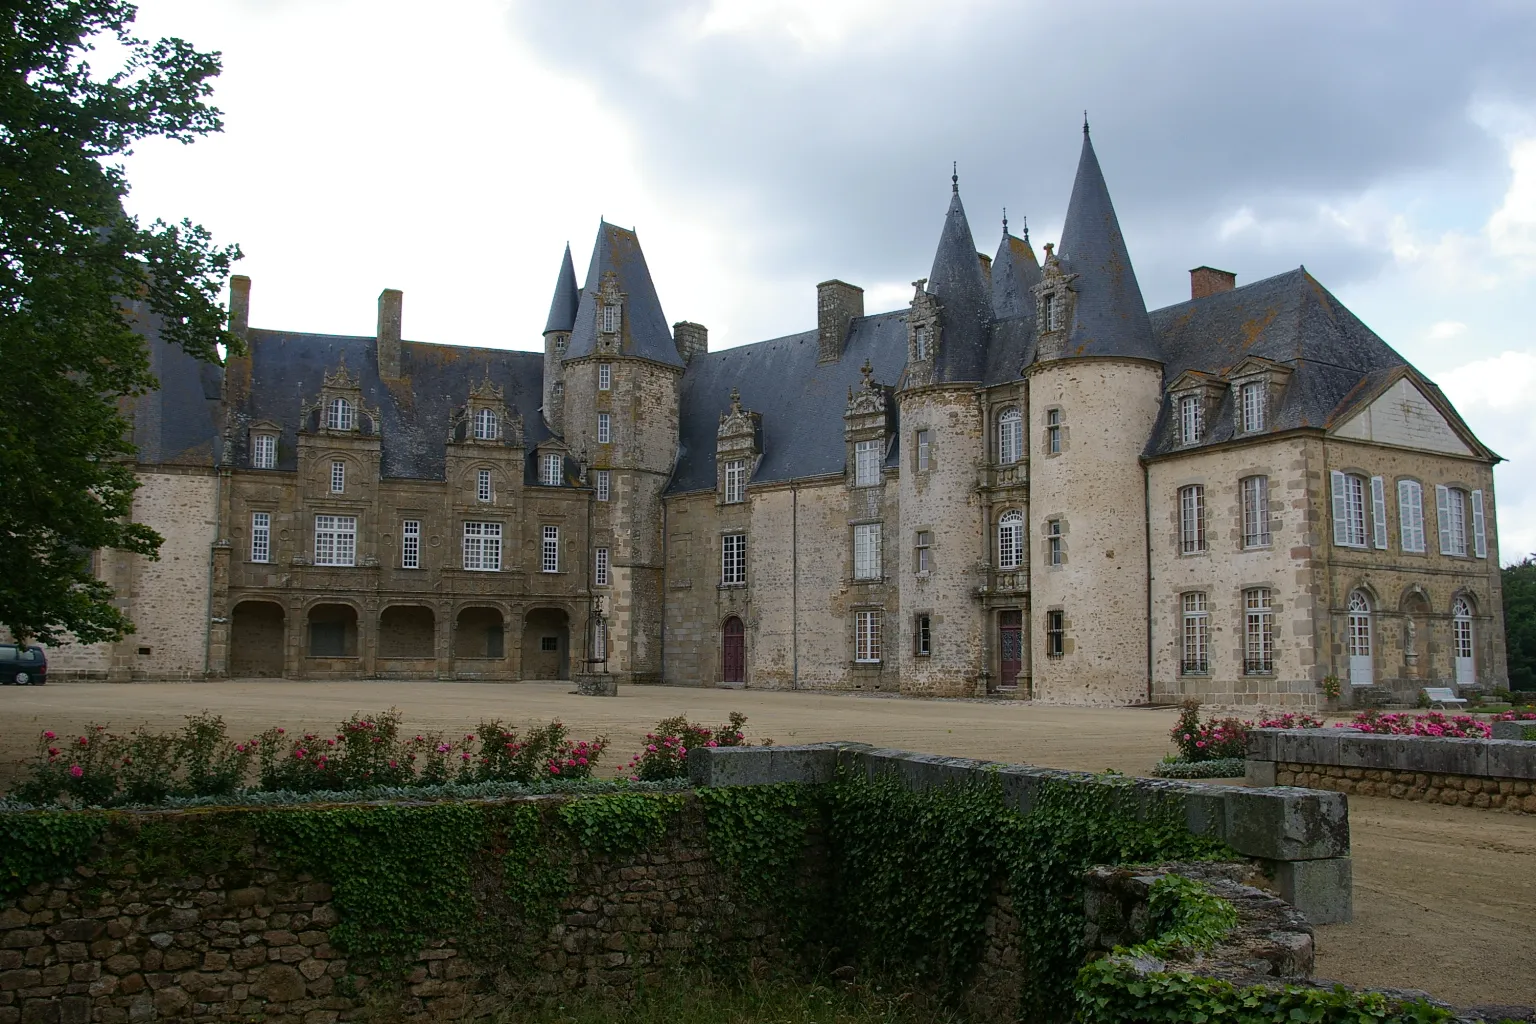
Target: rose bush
1225, 738
1435, 723
666, 749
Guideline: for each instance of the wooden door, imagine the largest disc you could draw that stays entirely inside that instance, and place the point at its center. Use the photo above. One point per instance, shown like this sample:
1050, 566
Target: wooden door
733, 663
1010, 646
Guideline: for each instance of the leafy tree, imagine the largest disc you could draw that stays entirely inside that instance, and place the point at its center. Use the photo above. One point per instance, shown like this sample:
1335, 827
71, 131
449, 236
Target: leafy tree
1520, 623
79, 281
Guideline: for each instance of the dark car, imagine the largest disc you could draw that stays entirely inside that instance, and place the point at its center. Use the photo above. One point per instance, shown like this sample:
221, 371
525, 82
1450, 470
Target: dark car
23, 665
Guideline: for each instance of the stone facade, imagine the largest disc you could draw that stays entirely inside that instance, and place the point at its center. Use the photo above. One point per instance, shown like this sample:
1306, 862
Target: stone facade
1514, 795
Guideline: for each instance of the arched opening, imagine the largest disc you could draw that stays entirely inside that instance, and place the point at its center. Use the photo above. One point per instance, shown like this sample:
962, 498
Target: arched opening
733, 652
407, 631
546, 644
1010, 437
1461, 641
256, 639
480, 633
1359, 633
333, 631
1010, 540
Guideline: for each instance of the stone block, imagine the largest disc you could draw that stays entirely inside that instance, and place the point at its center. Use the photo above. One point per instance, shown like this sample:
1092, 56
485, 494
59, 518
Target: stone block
758, 766
1307, 746
1501, 731
1510, 759
1447, 757
1366, 750
1261, 745
1260, 774
1280, 823
1320, 889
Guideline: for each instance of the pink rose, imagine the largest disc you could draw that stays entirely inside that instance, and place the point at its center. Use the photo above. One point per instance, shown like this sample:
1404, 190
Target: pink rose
50, 735
76, 770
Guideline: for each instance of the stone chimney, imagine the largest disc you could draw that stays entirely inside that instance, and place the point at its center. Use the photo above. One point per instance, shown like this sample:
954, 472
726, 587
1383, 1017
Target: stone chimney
1205, 281
837, 303
388, 338
691, 340
986, 270
239, 305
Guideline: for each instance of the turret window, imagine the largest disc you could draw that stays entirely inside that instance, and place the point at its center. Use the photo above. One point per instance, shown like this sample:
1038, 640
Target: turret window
922, 555
1191, 420
339, 414
610, 324
600, 567
866, 463
1010, 437
1055, 633
602, 484
1054, 554
264, 451
924, 449
1053, 432
604, 377
921, 342
604, 428
487, 425
735, 481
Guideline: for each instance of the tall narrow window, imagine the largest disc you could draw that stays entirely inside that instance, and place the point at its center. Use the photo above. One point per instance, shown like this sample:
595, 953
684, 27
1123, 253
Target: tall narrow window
549, 550
261, 536
866, 636
1010, 539
1053, 431
1362, 667
1255, 496
1010, 437
922, 634
604, 428
1054, 555
1461, 641
866, 551
264, 452
1191, 420
602, 481
1196, 635
335, 540
604, 377
600, 567
552, 470
410, 544
482, 546
1048, 311
733, 559
1348, 510
866, 463
487, 425
483, 485
338, 477
339, 415
920, 343
1452, 502
610, 317
1055, 633
735, 481
1258, 632
1410, 515
922, 553
1192, 519
1252, 398
923, 439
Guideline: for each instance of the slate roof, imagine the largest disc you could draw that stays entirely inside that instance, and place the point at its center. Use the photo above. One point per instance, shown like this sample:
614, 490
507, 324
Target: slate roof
958, 283
801, 401
178, 423
562, 308
1015, 271
1110, 316
286, 369
1291, 319
643, 329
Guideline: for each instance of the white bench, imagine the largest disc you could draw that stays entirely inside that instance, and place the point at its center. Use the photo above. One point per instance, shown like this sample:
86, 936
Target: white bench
1440, 696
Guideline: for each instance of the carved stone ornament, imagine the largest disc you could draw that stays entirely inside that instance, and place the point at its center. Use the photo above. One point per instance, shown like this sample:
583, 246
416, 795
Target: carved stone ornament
340, 383
869, 400
485, 395
1055, 303
739, 429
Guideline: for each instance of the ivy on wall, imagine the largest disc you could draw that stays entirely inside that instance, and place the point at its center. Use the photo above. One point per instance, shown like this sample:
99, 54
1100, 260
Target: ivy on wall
42, 846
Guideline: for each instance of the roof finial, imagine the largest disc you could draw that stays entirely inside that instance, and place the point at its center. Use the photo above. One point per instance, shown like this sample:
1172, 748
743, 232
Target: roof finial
1005, 220
1026, 229
1085, 122
954, 178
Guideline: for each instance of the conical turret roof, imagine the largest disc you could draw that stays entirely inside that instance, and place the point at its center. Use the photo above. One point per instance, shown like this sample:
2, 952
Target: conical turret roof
562, 308
643, 330
956, 280
1014, 272
1110, 318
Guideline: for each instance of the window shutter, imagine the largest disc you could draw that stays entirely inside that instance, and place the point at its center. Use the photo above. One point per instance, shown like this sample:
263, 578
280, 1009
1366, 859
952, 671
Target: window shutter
1479, 526
1340, 509
1405, 515
1443, 514
1379, 510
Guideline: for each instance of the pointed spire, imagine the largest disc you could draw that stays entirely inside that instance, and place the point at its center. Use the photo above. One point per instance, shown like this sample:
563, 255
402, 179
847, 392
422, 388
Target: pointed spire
1085, 122
617, 258
1015, 271
562, 308
1110, 316
957, 282
1005, 221
954, 177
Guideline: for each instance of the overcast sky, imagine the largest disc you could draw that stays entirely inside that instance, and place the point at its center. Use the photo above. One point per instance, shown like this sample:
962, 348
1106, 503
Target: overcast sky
759, 146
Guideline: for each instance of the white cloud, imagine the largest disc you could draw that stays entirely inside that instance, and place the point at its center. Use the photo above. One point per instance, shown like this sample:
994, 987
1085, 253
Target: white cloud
1494, 396
1445, 330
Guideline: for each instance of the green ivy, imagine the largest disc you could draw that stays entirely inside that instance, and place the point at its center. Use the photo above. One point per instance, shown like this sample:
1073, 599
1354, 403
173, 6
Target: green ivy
759, 833
624, 823
43, 846
1185, 914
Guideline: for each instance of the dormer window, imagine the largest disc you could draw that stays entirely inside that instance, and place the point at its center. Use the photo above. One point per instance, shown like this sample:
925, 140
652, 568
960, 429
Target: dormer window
487, 425
610, 324
1191, 420
560, 340
604, 377
735, 481
339, 415
264, 451
551, 469
1252, 398
921, 338
1048, 310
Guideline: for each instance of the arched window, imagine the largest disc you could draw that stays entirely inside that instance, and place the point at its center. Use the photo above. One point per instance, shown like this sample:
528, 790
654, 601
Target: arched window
1010, 540
339, 415
1010, 437
487, 425
1360, 661
1461, 640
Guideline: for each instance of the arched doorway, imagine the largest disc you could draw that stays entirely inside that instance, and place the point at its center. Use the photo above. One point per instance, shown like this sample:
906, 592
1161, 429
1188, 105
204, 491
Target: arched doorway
480, 633
547, 644
333, 631
1359, 634
733, 652
256, 639
407, 631
1461, 641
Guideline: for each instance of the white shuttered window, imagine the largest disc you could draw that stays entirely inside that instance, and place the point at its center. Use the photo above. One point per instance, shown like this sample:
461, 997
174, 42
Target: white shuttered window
1410, 515
1348, 510
1379, 512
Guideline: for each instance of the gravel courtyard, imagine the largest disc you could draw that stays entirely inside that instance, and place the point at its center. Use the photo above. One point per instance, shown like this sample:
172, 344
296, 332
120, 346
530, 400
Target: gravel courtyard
1443, 895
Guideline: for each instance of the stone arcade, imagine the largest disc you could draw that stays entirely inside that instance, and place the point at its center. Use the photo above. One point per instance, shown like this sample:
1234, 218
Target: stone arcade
1022, 483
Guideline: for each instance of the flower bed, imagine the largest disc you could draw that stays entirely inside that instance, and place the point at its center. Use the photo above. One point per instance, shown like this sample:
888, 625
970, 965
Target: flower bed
1216, 748
1434, 723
